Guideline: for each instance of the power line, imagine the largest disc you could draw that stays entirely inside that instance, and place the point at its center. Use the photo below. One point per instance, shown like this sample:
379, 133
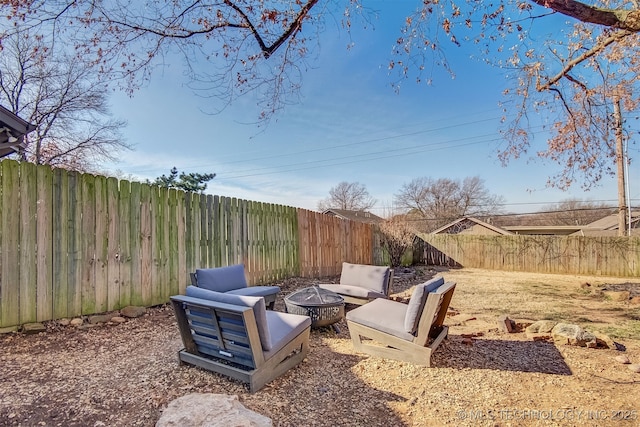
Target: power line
345, 145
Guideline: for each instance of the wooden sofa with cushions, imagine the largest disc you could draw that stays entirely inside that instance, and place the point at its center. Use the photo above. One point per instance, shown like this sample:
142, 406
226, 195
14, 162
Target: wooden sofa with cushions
236, 336
361, 283
232, 280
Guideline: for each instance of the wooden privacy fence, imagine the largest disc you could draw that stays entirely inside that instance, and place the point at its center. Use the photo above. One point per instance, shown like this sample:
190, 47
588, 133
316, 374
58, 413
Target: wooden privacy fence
76, 244
607, 256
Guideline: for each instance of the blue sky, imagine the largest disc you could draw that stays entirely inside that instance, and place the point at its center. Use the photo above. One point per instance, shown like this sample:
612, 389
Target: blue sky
349, 126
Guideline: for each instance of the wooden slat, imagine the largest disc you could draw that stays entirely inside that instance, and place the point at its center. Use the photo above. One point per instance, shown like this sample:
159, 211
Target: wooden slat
124, 243
135, 244
203, 249
218, 239
146, 247
183, 271
9, 244
102, 245
173, 256
164, 246
157, 219
74, 244
88, 245
44, 244
27, 249
114, 223
60, 241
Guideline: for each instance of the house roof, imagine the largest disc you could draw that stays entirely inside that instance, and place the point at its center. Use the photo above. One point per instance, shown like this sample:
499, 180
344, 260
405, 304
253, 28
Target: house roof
610, 222
12, 132
466, 222
607, 226
556, 230
360, 216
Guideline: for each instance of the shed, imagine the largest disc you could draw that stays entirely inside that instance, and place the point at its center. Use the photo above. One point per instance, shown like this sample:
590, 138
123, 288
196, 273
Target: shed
12, 132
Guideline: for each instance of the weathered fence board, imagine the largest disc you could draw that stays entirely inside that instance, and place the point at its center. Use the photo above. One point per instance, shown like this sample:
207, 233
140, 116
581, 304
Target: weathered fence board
75, 239
88, 244
44, 246
9, 241
28, 236
60, 243
114, 222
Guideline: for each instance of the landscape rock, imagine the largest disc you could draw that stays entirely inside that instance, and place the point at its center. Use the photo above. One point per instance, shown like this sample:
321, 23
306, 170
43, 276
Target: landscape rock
635, 367
118, 319
76, 322
565, 333
33, 328
617, 295
133, 311
63, 322
622, 359
605, 341
635, 300
210, 410
506, 325
522, 324
540, 327
100, 318
541, 336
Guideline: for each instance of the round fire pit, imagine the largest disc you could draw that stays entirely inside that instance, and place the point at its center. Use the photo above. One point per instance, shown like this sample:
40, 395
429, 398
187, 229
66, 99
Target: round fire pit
323, 306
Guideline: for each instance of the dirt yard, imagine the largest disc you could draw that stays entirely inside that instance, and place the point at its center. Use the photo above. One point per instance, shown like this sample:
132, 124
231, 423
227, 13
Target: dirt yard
125, 374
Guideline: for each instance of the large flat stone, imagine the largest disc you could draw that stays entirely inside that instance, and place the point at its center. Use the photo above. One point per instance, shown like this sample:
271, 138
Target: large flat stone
210, 410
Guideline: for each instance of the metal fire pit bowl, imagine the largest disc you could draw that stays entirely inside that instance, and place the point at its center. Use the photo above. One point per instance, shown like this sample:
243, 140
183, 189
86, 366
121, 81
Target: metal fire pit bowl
324, 307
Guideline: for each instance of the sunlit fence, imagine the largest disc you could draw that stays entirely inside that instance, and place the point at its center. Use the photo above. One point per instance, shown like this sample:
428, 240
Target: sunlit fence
75, 244
607, 256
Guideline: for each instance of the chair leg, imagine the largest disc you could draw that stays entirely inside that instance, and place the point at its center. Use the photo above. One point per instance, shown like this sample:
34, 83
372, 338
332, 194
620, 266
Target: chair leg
270, 301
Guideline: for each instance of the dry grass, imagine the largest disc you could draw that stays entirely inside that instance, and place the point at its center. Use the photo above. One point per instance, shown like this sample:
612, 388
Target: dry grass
487, 294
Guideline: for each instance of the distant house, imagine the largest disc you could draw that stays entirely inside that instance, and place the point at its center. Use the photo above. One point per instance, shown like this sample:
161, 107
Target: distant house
359, 216
470, 225
543, 230
12, 132
607, 226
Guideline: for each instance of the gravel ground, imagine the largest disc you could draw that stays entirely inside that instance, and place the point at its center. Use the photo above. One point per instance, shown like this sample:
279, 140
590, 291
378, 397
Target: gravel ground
125, 374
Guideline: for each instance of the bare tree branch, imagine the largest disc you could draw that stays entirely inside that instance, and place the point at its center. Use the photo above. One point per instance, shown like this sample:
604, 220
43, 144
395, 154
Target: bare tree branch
599, 47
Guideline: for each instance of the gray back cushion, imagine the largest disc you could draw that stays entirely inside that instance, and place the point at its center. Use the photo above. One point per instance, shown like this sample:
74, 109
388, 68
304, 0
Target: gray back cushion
371, 277
417, 301
222, 279
257, 303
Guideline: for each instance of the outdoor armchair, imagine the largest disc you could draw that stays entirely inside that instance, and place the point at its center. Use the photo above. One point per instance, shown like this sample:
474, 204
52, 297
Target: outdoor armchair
237, 336
406, 332
232, 280
361, 283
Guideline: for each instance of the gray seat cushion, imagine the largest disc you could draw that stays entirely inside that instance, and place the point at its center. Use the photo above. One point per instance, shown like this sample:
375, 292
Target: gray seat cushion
283, 327
373, 277
352, 291
417, 301
255, 302
383, 315
256, 291
222, 279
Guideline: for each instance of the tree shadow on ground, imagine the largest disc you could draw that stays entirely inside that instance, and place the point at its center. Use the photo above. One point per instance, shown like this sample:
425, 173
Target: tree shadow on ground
521, 356
327, 384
